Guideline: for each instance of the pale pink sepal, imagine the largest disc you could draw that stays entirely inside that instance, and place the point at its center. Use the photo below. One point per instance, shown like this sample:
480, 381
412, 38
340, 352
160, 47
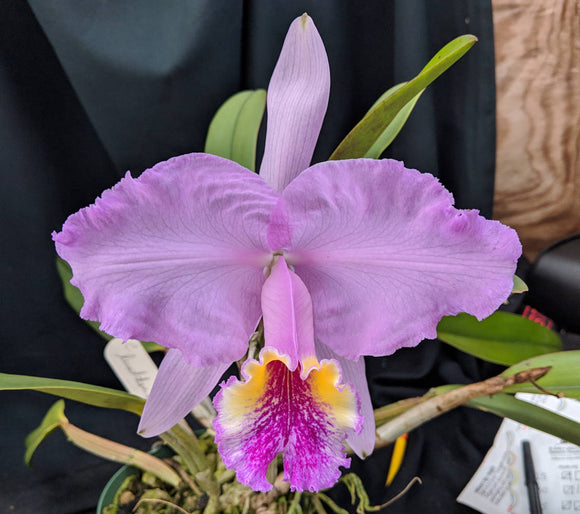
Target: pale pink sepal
177, 389
297, 99
287, 314
384, 254
175, 256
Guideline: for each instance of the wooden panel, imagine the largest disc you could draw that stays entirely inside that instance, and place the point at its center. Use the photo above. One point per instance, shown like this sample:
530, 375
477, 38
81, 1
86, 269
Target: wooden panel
538, 119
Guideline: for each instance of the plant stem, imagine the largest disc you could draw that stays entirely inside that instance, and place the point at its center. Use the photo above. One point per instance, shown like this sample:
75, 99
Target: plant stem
331, 504
398, 495
433, 407
185, 477
318, 507
163, 502
388, 412
184, 442
226, 476
116, 452
295, 504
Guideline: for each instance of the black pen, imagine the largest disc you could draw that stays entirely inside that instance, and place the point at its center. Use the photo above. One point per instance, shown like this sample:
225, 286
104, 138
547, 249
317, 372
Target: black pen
531, 482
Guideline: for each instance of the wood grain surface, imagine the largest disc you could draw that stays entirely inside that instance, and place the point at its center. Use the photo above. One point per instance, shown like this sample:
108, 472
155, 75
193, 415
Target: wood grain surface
538, 119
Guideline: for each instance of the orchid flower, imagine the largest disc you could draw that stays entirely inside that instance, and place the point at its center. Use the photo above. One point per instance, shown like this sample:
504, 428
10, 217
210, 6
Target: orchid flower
341, 259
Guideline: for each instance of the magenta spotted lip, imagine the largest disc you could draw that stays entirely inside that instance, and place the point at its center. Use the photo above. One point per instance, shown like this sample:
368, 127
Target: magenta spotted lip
276, 410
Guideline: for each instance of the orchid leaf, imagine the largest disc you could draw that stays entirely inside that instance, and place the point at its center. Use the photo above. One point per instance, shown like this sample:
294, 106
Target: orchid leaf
151, 347
233, 131
529, 414
508, 406
519, 285
51, 421
563, 377
363, 136
104, 448
392, 129
503, 338
85, 393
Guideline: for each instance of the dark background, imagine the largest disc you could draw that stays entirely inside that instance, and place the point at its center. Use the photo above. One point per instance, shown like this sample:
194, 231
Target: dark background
91, 88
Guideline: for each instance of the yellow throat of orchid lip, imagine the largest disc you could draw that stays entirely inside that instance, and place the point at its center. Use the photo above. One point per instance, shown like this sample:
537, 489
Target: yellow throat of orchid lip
323, 378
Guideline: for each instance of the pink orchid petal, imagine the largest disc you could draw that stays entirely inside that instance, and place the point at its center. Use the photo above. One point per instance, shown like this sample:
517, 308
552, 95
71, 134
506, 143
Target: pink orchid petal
384, 254
287, 313
297, 100
175, 256
353, 373
177, 389
276, 411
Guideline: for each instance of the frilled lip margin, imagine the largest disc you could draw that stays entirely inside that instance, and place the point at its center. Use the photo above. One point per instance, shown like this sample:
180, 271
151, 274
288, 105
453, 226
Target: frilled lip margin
303, 416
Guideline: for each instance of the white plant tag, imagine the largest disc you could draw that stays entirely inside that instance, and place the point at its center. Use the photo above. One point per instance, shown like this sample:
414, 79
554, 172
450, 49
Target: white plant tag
132, 365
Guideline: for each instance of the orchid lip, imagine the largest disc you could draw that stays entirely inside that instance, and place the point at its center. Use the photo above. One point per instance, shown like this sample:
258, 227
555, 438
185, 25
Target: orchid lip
279, 410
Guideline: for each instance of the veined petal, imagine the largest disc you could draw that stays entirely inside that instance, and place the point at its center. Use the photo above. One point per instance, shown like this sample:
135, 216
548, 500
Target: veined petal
384, 254
287, 314
297, 100
276, 411
175, 256
177, 389
353, 372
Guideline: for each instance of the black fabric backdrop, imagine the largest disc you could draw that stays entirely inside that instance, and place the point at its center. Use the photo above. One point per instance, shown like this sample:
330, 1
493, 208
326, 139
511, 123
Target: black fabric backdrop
89, 89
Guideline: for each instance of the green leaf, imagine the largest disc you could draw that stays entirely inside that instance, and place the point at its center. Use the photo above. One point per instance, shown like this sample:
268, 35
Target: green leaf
51, 421
363, 136
97, 445
519, 285
562, 378
529, 414
503, 338
233, 131
73, 295
85, 393
393, 128
508, 406
153, 347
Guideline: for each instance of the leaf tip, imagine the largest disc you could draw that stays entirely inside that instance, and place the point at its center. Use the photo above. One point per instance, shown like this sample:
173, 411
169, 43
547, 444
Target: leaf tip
519, 285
